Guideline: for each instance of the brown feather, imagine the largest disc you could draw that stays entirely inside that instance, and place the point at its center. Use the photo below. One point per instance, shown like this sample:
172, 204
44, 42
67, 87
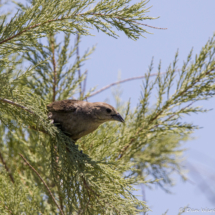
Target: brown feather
79, 118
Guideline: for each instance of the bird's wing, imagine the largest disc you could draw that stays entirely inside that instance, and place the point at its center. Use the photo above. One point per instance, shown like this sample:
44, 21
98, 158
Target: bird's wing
69, 105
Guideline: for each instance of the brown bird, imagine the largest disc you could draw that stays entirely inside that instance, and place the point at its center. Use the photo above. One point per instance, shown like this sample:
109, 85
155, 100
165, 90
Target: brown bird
79, 118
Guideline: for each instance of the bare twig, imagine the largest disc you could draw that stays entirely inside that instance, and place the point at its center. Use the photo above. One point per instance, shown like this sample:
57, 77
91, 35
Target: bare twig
24, 108
150, 26
85, 83
54, 67
50, 193
17, 105
122, 81
6, 167
79, 70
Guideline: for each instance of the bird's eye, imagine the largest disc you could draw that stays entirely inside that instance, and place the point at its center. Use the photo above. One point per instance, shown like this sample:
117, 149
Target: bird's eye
108, 110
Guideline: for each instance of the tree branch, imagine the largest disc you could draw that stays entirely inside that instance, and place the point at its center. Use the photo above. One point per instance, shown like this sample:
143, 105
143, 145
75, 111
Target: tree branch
17, 105
53, 99
63, 18
7, 169
24, 108
133, 139
85, 83
54, 66
160, 112
79, 70
120, 82
43, 183
117, 17
29, 28
180, 94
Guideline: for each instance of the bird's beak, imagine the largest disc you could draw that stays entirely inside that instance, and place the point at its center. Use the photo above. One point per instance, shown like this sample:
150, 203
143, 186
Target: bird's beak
118, 117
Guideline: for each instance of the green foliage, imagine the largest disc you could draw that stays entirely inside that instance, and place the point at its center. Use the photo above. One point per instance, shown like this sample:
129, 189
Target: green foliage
97, 174
22, 197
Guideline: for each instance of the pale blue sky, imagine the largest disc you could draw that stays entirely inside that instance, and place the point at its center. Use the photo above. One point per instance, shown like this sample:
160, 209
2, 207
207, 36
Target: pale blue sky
190, 23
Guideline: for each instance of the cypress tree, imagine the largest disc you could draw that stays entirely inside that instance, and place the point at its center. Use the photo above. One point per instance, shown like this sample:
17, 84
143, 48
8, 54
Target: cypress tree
42, 170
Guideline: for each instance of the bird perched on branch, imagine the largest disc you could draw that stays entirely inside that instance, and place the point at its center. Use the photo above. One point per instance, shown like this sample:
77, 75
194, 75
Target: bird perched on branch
79, 118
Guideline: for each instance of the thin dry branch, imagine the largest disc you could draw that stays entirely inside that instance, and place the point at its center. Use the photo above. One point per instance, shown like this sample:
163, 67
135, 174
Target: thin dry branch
54, 67
24, 108
85, 83
122, 81
43, 183
17, 105
7, 169
78, 59
150, 26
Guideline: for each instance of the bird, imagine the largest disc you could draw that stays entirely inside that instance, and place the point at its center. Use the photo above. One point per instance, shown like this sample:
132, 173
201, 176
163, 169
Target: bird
78, 118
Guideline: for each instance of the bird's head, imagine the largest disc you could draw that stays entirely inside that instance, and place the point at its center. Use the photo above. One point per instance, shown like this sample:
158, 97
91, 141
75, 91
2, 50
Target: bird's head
104, 112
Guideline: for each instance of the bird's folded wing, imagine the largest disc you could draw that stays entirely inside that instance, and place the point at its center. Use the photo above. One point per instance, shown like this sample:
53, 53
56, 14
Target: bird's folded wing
69, 105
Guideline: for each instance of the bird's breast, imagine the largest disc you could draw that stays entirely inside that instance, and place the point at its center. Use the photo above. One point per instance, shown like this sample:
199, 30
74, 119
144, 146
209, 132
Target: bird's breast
75, 124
